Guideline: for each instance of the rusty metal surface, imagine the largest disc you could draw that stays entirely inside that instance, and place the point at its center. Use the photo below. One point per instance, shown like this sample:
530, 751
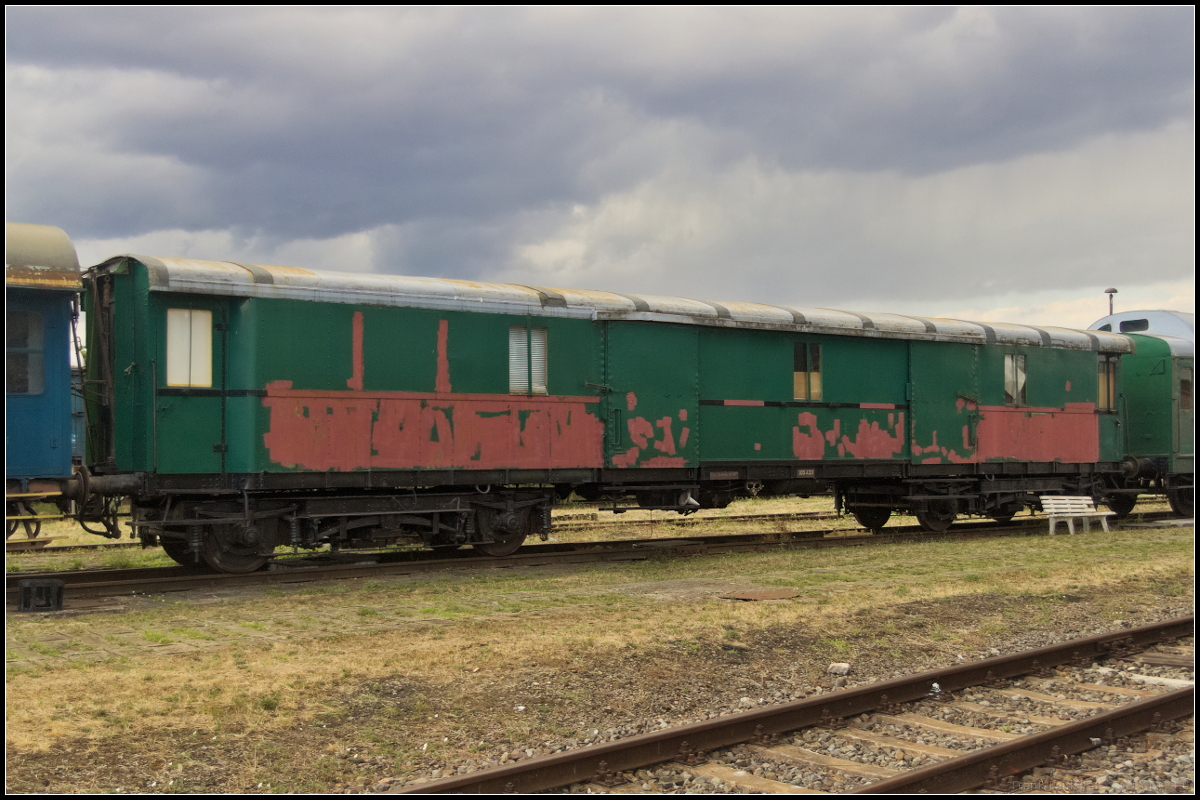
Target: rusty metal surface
761, 594
561, 769
39, 257
260, 280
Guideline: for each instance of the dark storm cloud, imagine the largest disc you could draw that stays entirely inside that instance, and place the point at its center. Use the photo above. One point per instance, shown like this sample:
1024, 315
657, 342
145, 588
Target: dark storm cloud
315, 123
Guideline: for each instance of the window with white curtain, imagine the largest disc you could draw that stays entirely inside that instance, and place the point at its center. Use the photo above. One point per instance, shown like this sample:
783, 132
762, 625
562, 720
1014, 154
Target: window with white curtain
1014, 380
189, 347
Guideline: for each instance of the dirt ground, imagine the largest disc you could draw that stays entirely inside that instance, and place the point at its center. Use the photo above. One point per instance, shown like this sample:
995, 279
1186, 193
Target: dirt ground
224, 702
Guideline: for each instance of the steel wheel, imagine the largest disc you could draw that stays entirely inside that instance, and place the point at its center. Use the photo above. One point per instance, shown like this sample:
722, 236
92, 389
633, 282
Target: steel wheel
180, 551
873, 518
505, 545
508, 531
1121, 504
939, 515
1182, 500
32, 527
225, 549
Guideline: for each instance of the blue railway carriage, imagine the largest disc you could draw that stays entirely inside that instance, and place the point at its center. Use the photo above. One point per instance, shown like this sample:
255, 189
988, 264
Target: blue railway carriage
41, 297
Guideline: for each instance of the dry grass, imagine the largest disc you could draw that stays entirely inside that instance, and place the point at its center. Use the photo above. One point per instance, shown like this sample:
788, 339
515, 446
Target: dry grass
259, 663
288, 688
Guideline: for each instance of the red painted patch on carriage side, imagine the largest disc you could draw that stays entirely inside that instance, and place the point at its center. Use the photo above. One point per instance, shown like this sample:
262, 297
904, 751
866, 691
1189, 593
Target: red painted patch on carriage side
872, 440
835, 432
323, 430
347, 430
646, 447
356, 353
1070, 435
808, 442
640, 431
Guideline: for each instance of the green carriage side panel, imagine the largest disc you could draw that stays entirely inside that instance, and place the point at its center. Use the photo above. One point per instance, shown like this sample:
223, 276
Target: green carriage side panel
1157, 424
651, 371
741, 373
1111, 430
748, 410
1053, 416
188, 428
245, 417
945, 401
864, 384
383, 387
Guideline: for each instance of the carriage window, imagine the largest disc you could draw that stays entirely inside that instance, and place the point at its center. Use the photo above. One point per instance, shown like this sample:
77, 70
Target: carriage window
1135, 325
1185, 392
1014, 380
1106, 378
25, 344
806, 371
189, 347
526, 360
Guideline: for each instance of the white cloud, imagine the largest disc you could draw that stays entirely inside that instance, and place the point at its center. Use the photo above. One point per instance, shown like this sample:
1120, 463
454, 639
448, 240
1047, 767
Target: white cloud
1066, 309
1116, 209
351, 252
906, 159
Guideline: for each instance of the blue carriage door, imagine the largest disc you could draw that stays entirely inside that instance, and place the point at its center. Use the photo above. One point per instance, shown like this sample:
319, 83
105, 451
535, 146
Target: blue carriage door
37, 414
189, 409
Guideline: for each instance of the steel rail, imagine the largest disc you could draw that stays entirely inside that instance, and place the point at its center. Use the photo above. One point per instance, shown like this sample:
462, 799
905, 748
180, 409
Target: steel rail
985, 766
151, 580
599, 761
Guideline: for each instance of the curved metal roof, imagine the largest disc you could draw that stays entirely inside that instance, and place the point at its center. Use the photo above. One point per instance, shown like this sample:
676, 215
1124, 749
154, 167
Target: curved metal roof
1178, 346
1159, 321
39, 257
260, 280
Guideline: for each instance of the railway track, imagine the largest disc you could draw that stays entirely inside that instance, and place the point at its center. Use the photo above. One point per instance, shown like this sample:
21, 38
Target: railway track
571, 521
1044, 719
349, 564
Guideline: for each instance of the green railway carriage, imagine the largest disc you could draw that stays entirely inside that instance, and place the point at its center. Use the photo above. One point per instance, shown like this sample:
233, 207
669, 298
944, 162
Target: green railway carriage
1159, 435
244, 407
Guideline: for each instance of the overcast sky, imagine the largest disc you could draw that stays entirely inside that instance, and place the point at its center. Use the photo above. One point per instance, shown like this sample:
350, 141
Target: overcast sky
997, 164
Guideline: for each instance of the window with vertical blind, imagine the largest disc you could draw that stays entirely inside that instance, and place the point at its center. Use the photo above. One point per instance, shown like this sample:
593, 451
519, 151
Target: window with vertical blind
526, 360
1106, 379
189, 347
806, 371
